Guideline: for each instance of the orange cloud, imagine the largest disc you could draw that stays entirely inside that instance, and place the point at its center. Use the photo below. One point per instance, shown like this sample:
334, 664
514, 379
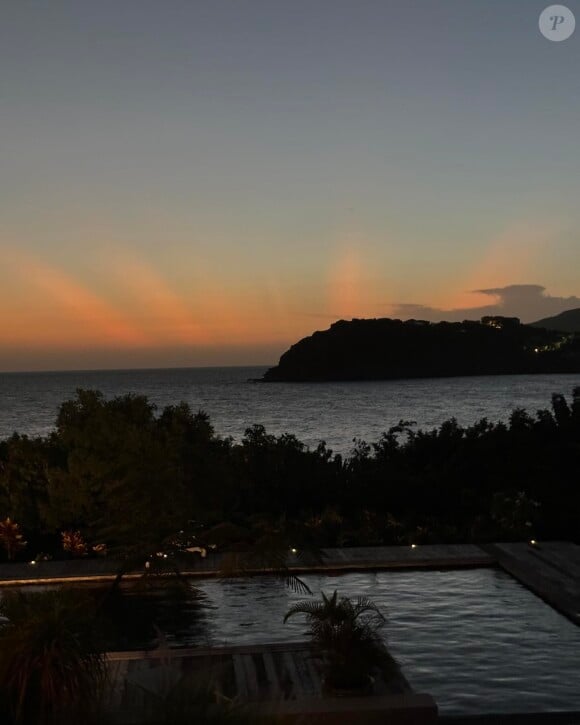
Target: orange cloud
344, 285
48, 305
210, 311
352, 290
127, 303
165, 315
513, 257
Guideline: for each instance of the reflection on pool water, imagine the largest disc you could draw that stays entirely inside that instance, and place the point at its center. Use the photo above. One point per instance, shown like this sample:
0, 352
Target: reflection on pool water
474, 639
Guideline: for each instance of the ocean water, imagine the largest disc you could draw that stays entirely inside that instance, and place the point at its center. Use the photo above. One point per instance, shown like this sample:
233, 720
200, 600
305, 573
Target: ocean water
335, 412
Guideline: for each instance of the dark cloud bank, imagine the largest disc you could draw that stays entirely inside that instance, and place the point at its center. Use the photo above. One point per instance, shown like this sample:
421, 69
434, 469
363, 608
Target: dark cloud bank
526, 301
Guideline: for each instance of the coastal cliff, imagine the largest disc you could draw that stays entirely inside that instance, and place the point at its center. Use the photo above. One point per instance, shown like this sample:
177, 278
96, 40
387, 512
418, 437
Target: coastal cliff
377, 349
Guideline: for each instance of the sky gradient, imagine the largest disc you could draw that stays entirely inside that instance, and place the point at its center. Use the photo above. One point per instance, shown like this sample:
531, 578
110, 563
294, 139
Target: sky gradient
204, 182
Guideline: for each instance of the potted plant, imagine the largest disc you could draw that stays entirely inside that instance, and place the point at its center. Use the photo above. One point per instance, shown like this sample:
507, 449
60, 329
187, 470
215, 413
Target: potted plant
345, 634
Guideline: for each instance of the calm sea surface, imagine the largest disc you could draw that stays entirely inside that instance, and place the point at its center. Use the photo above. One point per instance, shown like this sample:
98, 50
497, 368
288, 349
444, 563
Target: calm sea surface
334, 412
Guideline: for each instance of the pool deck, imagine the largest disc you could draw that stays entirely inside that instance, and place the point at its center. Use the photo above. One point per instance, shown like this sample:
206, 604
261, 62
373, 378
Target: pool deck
333, 560
283, 680
549, 569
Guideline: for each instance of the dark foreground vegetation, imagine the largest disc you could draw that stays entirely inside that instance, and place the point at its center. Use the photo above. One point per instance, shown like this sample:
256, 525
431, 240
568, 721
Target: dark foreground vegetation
116, 478
54, 671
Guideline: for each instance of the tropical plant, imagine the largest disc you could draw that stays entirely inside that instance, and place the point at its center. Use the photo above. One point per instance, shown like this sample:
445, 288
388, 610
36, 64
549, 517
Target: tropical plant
52, 668
516, 513
345, 634
11, 538
73, 543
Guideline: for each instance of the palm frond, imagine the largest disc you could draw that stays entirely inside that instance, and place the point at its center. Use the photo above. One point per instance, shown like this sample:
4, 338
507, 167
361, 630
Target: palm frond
310, 609
246, 562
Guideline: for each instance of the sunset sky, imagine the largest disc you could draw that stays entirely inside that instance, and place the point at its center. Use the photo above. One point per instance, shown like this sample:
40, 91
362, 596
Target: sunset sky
203, 182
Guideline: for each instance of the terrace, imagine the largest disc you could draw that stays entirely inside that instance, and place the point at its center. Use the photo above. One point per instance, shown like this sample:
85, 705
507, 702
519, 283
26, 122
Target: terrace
271, 670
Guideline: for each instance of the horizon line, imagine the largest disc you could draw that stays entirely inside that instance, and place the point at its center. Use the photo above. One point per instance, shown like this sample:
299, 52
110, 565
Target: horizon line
133, 369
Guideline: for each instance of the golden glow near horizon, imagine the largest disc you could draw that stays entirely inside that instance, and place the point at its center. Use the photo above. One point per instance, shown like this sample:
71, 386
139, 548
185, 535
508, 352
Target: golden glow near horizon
118, 300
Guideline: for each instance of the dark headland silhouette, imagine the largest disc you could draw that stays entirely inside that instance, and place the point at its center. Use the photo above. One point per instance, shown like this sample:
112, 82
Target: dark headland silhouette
568, 321
379, 349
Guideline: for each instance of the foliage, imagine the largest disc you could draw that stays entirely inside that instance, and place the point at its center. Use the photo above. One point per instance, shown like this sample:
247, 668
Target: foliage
52, 669
24, 471
73, 543
136, 476
516, 512
345, 633
11, 538
138, 482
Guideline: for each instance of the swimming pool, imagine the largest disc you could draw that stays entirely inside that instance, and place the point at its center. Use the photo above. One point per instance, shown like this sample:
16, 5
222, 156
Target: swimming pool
475, 639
